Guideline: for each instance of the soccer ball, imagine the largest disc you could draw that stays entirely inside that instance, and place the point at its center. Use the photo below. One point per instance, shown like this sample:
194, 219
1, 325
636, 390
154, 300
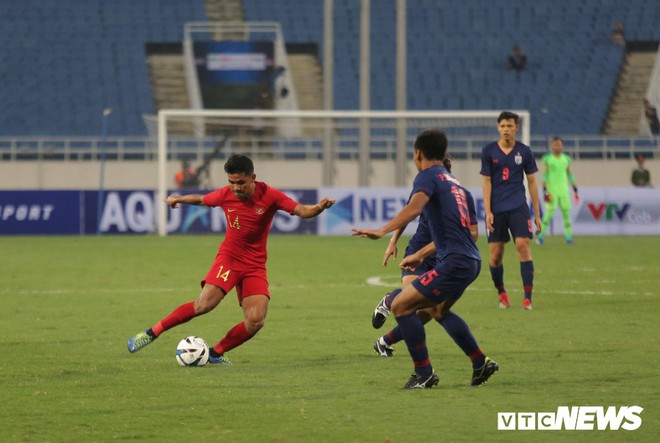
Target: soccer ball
192, 351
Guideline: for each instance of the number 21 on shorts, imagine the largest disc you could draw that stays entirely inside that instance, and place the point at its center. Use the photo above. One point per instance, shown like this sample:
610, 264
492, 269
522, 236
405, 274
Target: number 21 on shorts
222, 275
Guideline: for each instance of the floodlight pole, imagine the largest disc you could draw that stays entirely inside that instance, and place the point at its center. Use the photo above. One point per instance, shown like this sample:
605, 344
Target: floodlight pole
101, 193
401, 161
162, 176
365, 87
328, 91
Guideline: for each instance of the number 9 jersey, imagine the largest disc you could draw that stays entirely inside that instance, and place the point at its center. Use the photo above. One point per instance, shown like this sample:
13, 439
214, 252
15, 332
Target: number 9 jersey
507, 173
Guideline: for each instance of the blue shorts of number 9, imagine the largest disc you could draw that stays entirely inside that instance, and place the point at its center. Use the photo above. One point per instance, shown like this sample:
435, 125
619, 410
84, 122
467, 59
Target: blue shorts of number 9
517, 221
449, 279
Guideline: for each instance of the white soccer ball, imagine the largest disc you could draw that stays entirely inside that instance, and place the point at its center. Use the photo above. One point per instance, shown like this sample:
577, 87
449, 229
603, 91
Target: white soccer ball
192, 351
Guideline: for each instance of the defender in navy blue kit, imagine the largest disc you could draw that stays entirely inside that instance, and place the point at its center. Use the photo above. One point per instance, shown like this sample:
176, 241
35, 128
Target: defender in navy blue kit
424, 261
504, 165
445, 203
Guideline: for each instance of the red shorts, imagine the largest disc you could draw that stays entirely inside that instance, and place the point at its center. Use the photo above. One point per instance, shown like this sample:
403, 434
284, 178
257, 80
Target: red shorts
226, 274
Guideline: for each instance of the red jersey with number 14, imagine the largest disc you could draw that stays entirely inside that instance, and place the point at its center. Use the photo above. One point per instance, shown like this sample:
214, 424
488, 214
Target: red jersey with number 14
248, 221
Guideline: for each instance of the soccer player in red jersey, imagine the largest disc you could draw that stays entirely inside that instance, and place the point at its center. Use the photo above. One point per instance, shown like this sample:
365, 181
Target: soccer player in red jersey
249, 207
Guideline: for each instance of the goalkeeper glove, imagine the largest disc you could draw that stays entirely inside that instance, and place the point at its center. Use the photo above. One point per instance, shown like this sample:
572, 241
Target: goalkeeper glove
576, 197
546, 195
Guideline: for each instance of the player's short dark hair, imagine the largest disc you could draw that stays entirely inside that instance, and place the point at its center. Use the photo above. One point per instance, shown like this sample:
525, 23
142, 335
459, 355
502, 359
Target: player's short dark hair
432, 143
239, 164
506, 115
557, 138
447, 163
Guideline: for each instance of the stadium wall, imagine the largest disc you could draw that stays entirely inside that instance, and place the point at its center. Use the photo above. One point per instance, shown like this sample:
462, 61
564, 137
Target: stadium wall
72, 175
600, 211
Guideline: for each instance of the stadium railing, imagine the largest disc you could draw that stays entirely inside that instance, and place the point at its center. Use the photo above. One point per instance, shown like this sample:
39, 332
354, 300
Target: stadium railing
145, 148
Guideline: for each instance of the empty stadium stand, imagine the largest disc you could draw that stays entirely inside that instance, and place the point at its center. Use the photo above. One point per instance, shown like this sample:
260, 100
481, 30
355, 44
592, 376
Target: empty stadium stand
457, 52
63, 62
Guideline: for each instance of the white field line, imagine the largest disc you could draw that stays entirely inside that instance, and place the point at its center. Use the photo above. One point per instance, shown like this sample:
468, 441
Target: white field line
390, 282
187, 290
80, 291
380, 281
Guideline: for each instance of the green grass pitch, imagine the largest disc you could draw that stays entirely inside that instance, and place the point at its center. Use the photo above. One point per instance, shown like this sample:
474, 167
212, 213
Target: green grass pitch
69, 304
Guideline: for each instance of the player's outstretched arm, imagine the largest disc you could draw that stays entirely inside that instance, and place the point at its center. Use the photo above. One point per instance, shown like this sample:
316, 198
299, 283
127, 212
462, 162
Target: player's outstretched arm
309, 211
191, 199
401, 220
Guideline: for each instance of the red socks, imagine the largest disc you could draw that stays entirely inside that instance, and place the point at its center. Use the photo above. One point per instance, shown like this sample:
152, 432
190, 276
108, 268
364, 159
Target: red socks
235, 337
182, 314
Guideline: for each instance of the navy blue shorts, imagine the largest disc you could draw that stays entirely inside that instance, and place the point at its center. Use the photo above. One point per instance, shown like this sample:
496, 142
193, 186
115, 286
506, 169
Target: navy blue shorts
517, 221
428, 264
449, 278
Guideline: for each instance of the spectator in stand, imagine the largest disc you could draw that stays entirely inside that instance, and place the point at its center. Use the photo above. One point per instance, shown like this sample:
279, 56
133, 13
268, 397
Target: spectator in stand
518, 59
641, 177
651, 114
618, 37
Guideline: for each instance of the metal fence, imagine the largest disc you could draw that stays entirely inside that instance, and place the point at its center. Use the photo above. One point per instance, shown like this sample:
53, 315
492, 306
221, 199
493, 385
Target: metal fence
145, 148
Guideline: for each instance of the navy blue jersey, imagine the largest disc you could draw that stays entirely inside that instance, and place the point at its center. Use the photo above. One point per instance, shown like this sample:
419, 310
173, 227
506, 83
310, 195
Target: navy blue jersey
421, 237
507, 173
447, 212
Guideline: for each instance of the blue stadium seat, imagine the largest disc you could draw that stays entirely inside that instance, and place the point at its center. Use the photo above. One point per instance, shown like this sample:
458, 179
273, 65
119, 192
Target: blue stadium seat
66, 61
63, 62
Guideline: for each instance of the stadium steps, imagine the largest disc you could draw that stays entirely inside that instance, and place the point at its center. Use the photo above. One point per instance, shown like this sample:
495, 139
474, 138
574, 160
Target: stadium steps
168, 86
626, 107
225, 11
308, 81
168, 81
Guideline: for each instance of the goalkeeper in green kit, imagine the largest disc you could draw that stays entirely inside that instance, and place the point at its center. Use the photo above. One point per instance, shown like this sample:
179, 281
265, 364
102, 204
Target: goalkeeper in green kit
557, 176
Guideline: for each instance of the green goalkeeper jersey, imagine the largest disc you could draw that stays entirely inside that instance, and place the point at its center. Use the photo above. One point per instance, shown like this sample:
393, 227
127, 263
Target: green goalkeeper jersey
556, 173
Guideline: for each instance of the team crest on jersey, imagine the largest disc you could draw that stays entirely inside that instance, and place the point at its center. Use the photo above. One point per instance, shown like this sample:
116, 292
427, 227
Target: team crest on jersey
259, 210
518, 159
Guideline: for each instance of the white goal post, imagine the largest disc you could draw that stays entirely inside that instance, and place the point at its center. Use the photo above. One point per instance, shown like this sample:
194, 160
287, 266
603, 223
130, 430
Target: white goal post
327, 131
